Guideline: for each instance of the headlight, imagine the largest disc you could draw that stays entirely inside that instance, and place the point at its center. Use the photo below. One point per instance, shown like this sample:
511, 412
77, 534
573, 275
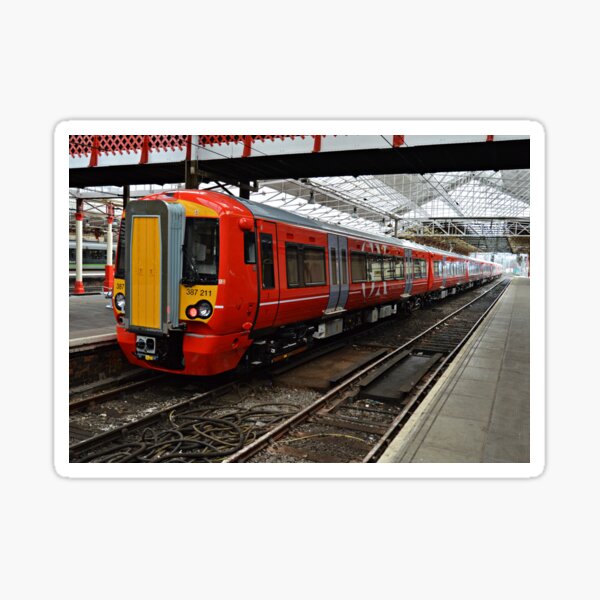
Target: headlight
201, 310
204, 309
120, 302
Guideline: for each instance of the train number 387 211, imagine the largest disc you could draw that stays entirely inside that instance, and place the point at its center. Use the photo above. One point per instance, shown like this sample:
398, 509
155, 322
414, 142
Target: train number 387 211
198, 292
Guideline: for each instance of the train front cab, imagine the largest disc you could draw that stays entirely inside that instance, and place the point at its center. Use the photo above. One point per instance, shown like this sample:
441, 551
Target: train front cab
174, 308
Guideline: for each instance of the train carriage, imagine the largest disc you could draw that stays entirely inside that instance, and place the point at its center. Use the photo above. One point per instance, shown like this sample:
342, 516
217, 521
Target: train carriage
93, 255
206, 282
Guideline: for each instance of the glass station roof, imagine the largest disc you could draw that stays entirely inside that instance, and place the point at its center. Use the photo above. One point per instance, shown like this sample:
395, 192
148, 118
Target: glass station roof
474, 203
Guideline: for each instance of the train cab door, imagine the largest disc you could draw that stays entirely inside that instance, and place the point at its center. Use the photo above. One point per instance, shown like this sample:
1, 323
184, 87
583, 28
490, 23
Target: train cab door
268, 275
338, 273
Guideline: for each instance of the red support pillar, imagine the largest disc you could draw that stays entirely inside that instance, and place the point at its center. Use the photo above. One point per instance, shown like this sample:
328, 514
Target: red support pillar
95, 151
247, 146
145, 150
317, 145
109, 269
79, 248
397, 141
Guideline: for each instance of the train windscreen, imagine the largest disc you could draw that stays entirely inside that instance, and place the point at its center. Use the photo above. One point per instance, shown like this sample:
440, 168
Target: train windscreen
120, 268
201, 252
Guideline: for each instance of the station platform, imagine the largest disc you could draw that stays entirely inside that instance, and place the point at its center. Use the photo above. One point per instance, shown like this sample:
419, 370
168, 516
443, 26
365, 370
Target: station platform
479, 409
90, 321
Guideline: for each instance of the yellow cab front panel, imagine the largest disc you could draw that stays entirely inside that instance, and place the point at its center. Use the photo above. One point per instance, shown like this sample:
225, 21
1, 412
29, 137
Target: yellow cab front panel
145, 276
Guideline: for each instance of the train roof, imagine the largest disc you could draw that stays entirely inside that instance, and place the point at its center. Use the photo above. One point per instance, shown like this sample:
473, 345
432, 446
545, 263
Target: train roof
273, 213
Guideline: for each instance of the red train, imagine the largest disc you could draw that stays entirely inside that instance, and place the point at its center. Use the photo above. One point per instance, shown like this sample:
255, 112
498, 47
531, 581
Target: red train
206, 282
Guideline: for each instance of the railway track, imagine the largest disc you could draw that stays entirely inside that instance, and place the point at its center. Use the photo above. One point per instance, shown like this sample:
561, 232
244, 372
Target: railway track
106, 393
364, 412
352, 422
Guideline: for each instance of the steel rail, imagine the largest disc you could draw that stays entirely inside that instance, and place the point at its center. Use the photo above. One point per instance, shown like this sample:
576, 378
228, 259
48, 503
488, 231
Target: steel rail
106, 394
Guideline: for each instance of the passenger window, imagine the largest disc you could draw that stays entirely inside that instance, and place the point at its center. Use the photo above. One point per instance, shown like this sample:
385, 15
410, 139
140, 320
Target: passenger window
267, 266
388, 267
249, 247
375, 268
314, 266
399, 268
418, 268
291, 261
305, 265
359, 267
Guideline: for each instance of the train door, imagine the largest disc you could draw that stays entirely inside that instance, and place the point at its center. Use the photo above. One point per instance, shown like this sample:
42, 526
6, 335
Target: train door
269, 278
343, 262
408, 271
338, 272
444, 271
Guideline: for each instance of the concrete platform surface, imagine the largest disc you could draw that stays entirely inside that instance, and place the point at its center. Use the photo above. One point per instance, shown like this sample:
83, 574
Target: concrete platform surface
479, 409
90, 320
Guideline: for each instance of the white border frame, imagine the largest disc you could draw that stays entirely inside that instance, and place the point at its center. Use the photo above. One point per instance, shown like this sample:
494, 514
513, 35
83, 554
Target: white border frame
294, 470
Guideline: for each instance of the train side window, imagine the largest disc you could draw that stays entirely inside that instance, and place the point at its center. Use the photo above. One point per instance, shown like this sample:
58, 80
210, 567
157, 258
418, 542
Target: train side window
437, 268
344, 267
375, 268
314, 266
249, 247
388, 268
266, 258
400, 268
420, 267
333, 261
291, 263
305, 265
358, 264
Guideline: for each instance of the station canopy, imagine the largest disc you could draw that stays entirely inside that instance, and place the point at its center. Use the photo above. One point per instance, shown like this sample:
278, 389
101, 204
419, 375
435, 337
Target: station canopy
474, 205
